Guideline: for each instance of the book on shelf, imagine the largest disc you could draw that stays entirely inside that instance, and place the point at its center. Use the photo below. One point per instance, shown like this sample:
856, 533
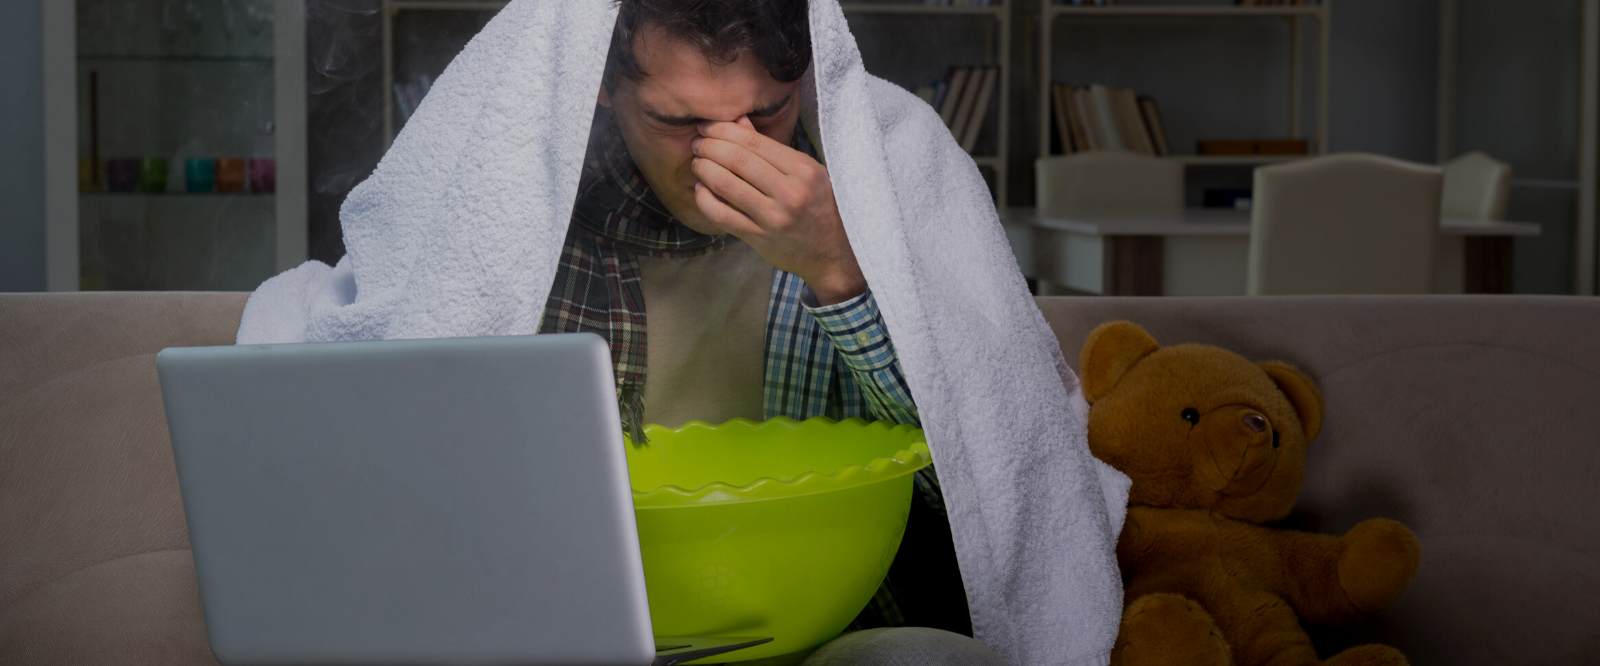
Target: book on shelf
968, 136
1058, 99
1130, 122
1075, 118
955, 80
1105, 118
962, 100
969, 100
1094, 139
1152, 122
1098, 117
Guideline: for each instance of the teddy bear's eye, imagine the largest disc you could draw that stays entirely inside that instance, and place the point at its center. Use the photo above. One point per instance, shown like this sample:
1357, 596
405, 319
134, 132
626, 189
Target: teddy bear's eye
1191, 415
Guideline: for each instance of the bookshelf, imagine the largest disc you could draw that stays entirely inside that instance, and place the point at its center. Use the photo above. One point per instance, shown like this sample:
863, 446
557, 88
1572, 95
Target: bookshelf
186, 127
999, 56
1524, 87
1295, 16
999, 14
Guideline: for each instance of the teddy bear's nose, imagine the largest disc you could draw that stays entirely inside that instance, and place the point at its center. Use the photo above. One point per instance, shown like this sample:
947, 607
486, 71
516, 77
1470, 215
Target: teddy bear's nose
1255, 423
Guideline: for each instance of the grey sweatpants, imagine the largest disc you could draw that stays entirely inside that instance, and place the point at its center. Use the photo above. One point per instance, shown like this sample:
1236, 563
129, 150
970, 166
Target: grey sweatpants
902, 646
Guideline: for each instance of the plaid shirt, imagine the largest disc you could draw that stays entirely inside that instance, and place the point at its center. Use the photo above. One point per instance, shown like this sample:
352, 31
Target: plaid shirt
835, 361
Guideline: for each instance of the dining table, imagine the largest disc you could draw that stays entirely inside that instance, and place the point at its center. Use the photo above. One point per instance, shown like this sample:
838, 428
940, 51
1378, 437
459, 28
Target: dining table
1206, 251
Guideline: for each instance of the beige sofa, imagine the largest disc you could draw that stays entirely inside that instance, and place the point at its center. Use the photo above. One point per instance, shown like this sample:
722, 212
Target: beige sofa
1476, 420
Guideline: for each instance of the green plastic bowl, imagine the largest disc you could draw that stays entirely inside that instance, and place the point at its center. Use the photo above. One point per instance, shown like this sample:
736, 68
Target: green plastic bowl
781, 529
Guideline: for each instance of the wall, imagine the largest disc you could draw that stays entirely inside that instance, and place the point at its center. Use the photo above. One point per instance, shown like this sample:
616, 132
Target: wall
1384, 79
22, 178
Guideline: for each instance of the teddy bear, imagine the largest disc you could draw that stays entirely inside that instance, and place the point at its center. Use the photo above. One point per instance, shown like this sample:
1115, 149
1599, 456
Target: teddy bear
1216, 448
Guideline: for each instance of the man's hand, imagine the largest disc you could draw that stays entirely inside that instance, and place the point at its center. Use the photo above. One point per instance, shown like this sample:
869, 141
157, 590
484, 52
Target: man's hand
778, 200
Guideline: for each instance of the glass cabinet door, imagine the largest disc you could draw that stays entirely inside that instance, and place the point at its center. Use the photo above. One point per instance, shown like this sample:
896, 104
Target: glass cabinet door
178, 144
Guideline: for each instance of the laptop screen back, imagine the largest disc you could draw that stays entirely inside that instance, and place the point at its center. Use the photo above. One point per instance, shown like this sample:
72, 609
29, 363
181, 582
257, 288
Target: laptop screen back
421, 501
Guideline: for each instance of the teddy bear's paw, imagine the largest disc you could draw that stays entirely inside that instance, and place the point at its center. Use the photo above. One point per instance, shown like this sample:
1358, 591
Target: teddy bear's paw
1368, 655
1379, 560
1161, 629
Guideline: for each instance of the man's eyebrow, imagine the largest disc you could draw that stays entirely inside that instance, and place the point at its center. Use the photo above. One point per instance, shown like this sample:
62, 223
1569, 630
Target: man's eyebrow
685, 121
771, 109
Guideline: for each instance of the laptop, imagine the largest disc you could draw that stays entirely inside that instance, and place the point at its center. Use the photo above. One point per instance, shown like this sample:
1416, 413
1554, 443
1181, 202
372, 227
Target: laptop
460, 501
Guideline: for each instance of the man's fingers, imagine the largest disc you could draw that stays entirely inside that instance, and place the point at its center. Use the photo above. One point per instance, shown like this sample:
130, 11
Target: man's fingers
777, 154
722, 215
743, 163
732, 188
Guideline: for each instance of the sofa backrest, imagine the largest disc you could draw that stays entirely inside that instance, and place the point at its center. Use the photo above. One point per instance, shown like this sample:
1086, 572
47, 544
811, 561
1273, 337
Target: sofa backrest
1472, 419
94, 555
1475, 420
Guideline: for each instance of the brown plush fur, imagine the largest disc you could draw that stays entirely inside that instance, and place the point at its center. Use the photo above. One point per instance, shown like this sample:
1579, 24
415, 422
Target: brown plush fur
1216, 446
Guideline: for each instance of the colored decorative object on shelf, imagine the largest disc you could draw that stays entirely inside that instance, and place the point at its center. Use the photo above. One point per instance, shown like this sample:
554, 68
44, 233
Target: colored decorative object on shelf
89, 170
779, 528
153, 174
263, 174
122, 174
230, 174
200, 174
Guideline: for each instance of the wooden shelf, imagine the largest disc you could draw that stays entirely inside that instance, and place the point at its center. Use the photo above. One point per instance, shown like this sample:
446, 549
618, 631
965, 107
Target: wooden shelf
445, 5
1295, 16
856, 7
897, 8
1233, 160
1223, 11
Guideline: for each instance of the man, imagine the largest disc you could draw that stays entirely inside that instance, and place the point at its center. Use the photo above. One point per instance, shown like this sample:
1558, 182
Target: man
700, 190
707, 247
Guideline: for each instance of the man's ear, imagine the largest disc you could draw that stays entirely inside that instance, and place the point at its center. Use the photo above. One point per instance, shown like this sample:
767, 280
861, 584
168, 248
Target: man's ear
1109, 353
1302, 392
604, 97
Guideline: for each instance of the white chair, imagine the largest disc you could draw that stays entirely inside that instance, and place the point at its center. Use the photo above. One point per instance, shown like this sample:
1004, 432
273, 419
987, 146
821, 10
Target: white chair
1476, 187
1101, 180
1344, 224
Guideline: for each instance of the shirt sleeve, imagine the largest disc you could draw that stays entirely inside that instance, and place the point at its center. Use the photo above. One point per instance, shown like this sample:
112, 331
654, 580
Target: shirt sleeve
858, 334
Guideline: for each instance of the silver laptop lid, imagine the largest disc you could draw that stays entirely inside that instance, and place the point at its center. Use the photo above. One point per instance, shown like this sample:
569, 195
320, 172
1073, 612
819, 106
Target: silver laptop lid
422, 501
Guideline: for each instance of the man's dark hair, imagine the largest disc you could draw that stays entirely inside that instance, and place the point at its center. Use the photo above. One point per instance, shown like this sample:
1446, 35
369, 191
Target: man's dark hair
776, 32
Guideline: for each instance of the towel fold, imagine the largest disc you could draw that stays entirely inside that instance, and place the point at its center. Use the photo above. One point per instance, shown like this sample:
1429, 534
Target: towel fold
457, 234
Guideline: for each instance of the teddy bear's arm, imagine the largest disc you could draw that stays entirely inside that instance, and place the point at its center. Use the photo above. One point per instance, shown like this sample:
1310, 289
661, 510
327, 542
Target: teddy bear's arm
1310, 581
1337, 580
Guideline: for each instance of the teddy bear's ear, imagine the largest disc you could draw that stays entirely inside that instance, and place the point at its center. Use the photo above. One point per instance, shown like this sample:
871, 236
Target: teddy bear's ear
1109, 352
1302, 392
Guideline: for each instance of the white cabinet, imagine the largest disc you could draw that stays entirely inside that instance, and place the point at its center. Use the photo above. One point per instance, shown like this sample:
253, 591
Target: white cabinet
188, 141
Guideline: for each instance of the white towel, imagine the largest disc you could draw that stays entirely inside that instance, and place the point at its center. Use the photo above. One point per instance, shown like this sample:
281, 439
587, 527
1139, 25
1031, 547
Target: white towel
457, 233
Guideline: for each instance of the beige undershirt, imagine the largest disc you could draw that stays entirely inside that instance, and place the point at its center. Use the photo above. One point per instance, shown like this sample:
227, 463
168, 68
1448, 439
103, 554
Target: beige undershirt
705, 327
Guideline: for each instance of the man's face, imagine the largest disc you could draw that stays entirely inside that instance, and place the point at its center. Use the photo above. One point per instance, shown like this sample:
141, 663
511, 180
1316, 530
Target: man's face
681, 89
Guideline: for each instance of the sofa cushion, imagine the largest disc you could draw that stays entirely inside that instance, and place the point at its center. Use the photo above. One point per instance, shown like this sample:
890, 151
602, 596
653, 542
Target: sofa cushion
1471, 419
86, 472
140, 609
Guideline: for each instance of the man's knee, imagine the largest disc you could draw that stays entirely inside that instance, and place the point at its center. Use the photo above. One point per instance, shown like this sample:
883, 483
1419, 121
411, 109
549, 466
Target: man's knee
906, 646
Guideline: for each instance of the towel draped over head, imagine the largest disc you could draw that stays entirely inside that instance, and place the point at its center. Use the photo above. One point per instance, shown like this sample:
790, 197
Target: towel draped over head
459, 232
